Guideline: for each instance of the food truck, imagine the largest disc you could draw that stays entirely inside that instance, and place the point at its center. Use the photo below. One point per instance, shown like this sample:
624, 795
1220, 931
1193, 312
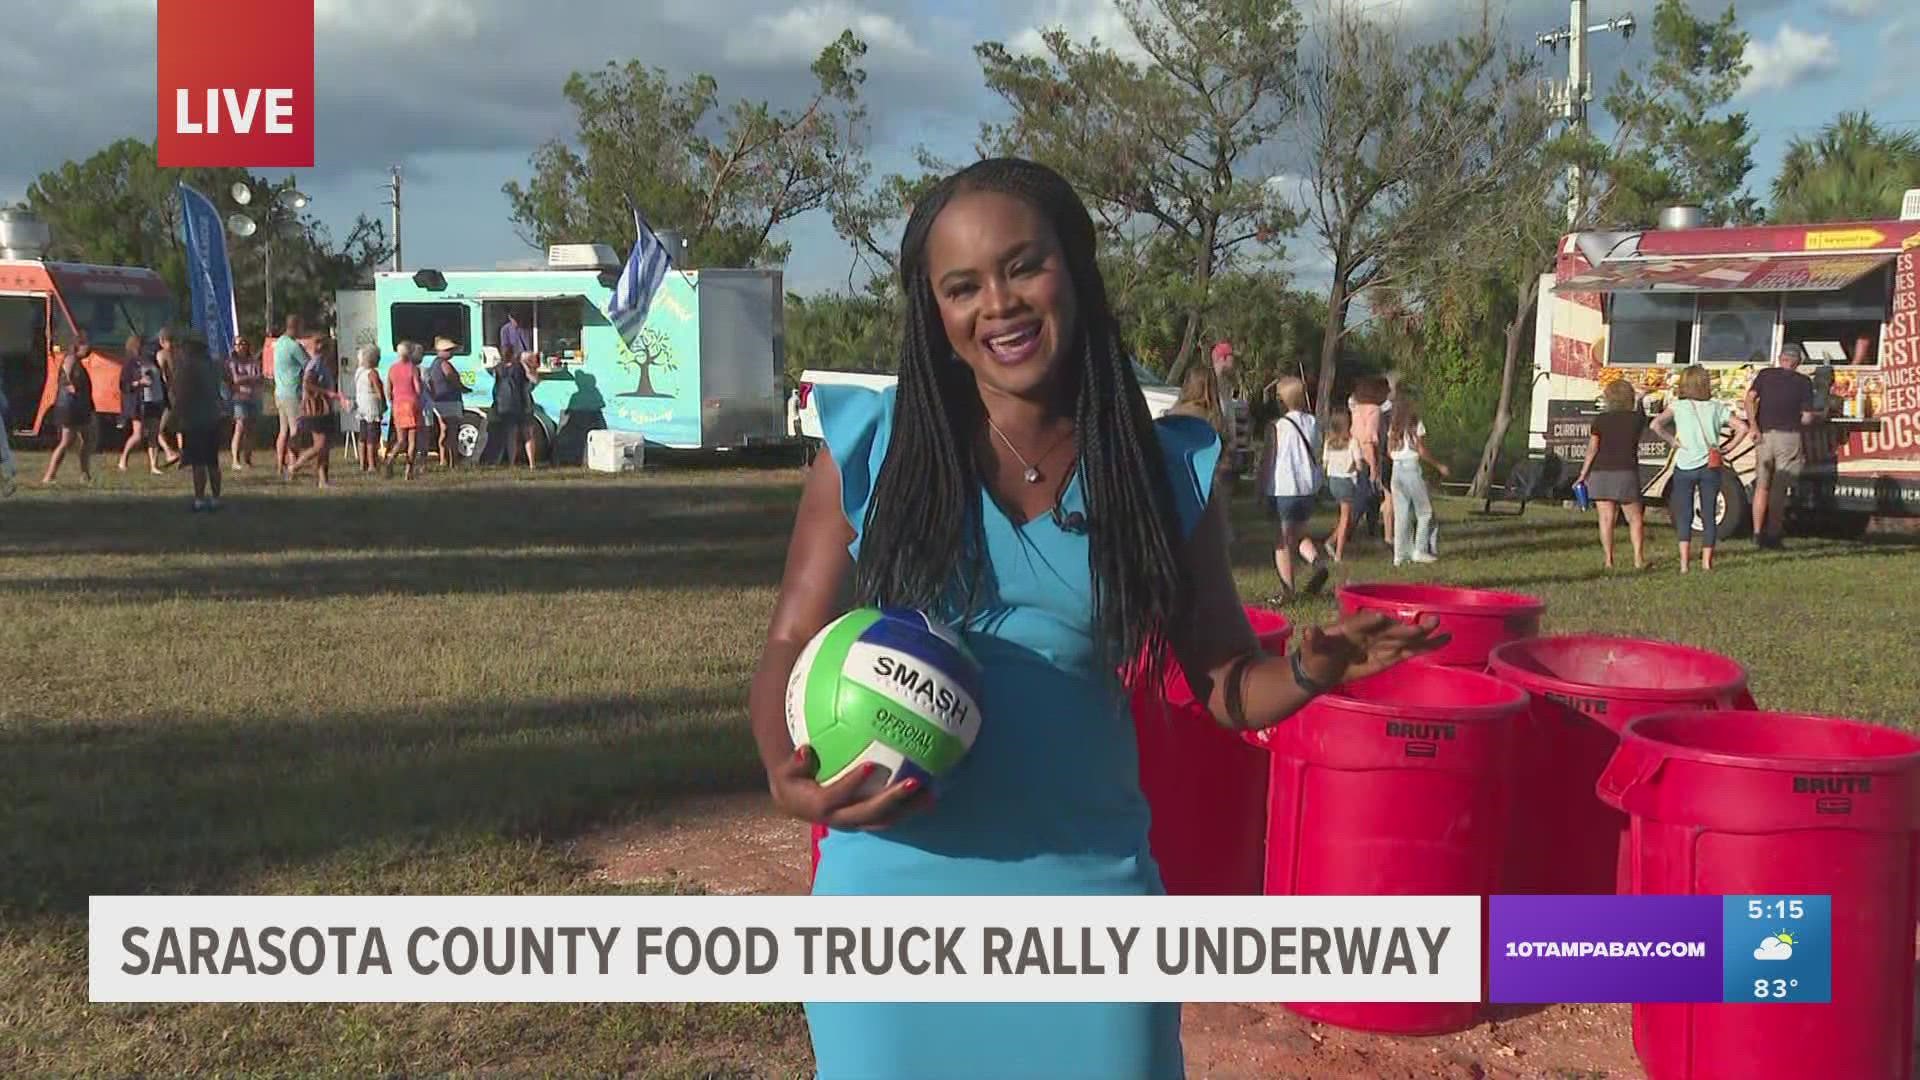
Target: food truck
705, 372
45, 305
1643, 306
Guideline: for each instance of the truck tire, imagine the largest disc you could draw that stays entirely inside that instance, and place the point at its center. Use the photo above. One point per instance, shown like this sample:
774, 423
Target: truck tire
470, 436
1733, 506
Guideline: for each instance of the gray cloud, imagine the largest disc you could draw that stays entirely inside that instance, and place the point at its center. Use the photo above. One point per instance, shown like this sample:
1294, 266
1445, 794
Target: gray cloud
395, 80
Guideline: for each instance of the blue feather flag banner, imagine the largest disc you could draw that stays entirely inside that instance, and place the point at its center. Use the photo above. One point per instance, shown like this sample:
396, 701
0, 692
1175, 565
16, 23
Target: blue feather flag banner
640, 279
208, 273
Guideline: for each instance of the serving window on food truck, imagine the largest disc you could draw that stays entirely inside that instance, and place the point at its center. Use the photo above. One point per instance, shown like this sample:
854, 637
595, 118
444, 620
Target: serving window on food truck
554, 322
420, 323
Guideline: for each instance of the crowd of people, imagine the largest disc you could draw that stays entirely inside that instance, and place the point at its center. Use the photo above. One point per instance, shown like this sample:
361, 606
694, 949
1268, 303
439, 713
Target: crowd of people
1369, 458
404, 418
1779, 405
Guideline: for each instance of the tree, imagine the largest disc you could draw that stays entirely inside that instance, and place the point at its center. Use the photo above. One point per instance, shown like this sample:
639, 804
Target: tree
120, 208
1854, 171
652, 349
1668, 148
725, 184
1413, 154
846, 332
1170, 146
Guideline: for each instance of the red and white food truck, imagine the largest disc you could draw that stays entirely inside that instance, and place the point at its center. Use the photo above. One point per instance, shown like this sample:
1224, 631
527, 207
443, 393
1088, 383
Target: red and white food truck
1644, 306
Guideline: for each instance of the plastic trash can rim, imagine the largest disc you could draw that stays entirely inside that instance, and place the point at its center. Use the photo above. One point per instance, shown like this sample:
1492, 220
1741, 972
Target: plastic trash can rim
1890, 763
1445, 599
1501, 666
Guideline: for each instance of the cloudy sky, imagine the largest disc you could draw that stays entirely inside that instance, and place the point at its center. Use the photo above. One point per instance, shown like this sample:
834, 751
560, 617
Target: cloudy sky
459, 92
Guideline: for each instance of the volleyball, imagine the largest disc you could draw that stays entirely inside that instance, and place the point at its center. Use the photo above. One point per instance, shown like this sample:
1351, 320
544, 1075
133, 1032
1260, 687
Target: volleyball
889, 687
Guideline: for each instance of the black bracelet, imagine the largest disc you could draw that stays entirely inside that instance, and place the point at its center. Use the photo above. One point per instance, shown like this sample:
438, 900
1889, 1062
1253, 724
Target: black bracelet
1305, 681
1236, 685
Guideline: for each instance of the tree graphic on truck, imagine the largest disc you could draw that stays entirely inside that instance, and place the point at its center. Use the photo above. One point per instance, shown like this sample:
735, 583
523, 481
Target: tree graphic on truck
652, 349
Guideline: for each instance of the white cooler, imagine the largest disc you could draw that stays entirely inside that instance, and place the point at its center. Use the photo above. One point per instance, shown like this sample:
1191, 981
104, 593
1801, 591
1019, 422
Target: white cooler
615, 451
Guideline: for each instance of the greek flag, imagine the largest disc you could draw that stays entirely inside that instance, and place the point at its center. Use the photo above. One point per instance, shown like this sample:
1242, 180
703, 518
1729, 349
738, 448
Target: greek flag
633, 294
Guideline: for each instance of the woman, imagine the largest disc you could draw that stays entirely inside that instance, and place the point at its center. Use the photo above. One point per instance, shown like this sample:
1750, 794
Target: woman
446, 391
1412, 503
1368, 405
513, 404
1340, 460
1013, 483
1612, 469
1291, 483
1200, 399
319, 396
245, 377
405, 390
369, 405
73, 413
143, 387
1692, 424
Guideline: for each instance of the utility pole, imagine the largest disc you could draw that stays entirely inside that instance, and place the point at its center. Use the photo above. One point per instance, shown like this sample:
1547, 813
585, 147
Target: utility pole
392, 188
1570, 99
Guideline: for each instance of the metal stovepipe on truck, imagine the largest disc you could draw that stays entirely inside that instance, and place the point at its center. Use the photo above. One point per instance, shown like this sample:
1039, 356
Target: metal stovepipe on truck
1643, 306
705, 372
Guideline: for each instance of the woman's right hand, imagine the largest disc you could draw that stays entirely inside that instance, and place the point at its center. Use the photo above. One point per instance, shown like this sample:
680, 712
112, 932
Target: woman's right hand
840, 805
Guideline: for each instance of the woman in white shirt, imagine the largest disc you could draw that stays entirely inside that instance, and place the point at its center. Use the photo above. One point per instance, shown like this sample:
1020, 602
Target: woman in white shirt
1291, 484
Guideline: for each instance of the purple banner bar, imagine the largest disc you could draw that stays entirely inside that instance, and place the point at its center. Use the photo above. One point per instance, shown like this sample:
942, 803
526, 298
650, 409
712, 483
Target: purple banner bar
1554, 949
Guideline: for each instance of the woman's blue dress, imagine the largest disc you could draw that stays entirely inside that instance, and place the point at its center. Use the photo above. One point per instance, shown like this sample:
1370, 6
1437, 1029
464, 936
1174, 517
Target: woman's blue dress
1048, 802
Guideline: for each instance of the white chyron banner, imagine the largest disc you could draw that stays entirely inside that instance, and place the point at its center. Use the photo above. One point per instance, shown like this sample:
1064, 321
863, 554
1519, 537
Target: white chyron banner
784, 948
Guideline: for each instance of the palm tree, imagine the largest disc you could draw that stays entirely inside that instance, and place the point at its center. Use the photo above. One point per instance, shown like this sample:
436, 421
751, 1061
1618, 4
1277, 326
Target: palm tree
1854, 171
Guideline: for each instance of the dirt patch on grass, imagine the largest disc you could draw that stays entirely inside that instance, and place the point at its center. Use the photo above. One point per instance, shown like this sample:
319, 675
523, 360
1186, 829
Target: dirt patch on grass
735, 845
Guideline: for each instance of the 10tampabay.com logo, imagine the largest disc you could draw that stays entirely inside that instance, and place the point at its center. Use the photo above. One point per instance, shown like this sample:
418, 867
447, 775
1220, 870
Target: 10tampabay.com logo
235, 84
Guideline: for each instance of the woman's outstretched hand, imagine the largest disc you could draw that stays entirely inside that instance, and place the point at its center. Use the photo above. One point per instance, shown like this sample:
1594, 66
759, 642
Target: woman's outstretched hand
840, 805
1365, 643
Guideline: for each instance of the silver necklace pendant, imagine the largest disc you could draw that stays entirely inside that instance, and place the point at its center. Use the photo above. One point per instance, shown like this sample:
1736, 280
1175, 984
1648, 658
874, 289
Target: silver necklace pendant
1033, 475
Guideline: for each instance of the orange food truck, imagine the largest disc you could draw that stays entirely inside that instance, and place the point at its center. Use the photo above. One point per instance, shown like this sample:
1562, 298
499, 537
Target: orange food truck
1643, 306
47, 305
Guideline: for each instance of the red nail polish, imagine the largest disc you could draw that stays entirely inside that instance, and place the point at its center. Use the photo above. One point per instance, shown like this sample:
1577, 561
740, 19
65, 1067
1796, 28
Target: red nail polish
800, 753
911, 785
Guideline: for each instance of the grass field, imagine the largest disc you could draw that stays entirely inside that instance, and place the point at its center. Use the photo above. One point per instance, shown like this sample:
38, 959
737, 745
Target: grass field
429, 687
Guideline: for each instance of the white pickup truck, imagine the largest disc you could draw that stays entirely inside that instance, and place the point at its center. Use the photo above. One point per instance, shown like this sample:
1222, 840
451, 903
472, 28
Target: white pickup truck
803, 418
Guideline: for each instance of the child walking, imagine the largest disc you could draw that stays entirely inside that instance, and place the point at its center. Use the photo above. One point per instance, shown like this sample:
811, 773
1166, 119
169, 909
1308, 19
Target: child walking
1338, 457
1412, 504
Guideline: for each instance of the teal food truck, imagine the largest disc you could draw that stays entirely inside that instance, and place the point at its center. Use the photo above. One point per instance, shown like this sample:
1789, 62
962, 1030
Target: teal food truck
705, 372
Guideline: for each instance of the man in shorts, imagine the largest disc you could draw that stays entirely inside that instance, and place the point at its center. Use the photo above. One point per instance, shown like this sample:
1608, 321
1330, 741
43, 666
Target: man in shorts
289, 361
1779, 406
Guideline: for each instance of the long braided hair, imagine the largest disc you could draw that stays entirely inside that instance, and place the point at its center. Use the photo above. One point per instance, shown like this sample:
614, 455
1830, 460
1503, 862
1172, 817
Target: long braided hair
924, 540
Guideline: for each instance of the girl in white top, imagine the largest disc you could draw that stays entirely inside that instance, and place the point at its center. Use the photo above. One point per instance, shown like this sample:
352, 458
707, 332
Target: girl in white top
370, 405
1291, 484
1339, 455
1412, 505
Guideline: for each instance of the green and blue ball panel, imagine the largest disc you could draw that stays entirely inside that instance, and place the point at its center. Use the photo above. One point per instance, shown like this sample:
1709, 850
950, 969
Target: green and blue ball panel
889, 687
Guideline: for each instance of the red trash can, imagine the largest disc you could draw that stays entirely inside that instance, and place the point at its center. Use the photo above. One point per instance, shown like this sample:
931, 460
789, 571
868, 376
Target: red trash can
1206, 787
1740, 803
1393, 785
1478, 619
1585, 688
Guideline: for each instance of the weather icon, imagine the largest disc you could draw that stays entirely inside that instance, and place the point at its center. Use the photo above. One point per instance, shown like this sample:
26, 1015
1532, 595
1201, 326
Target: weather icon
1777, 947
